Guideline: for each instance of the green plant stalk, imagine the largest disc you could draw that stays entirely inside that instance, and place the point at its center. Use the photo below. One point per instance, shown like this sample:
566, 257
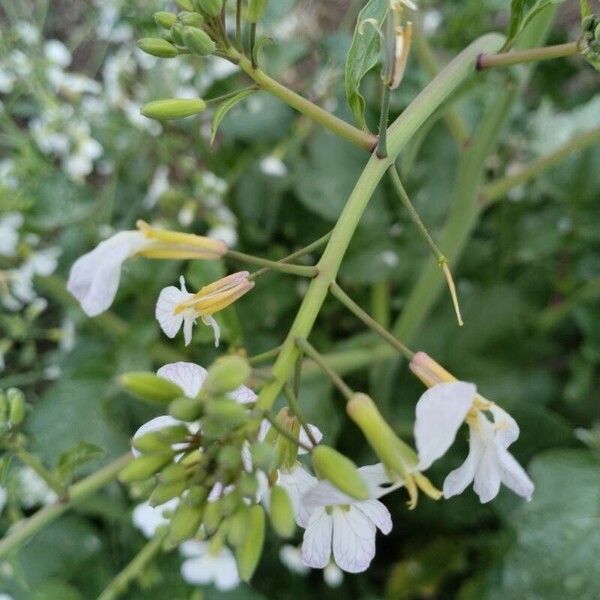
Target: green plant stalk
364, 140
496, 190
238, 25
380, 302
456, 124
283, 267
121, 582
383, 122
297, 411
399, 134
507, 59
23, 530
355, 309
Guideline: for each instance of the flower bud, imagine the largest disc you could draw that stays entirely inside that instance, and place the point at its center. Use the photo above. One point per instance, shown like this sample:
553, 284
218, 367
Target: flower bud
173, 108
144, 466
157, 47
399, 459
226, 374
340, 471
281, 512
186, 409
165, 19
184, 523
3, 407
185, 4
256, 10
173, 473
229, 503
286, 451
227, 413
176, 34
149, 387
249, 550
212, 8
230, 459
237, 525
160, 440
429, 371
198, 41
248, 485
193, 19
263, 456
16, 406
212, 517
166, 491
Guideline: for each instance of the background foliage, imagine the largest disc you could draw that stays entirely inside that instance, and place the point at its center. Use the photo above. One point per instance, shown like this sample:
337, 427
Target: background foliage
529, 282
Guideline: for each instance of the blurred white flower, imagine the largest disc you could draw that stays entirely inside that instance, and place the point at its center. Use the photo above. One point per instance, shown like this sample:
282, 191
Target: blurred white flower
291, 557
10, 224
441, 411
2, 498
158, 186
7, 80
40, 262
204, 564
57, 53
333, 575
225, 233
27, 32
149, 518
33, 490
7, 173
273, 166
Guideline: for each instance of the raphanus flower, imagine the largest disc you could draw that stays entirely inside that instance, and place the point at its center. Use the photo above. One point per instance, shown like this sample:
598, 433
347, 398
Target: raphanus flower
176, 306
207, 563
95, 276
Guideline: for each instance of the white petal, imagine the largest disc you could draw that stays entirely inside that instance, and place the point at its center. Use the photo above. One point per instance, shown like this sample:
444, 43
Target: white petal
378, 480
149, 518
440, 412
296, 483
353, 540
166, 304
188, 325
212, 322
197, 571
154, 425
488, 477
225, 572
304, 439
188, 376
316, 544
514, 476
457, 481
193, 548
333, 575
243, 395
378, 513
505, 427
324, 493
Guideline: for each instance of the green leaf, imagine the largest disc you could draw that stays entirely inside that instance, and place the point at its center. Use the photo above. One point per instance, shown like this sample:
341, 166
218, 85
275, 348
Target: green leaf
521, 13
364, 55
76, 456
224, 108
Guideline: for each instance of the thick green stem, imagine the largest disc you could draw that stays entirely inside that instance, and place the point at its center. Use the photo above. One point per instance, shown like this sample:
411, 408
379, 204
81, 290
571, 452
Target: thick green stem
506, 59
399, 133
496, 190
118, 586
23, 530
365, 140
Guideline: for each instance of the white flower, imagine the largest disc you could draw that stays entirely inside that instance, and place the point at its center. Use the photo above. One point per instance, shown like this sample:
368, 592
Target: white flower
291, 557
333, 575
9, 233
149, 518
33, 490
273, 166
159, 185
348, 527
94, 277
57, 53
441, 411
204, 565
170, 321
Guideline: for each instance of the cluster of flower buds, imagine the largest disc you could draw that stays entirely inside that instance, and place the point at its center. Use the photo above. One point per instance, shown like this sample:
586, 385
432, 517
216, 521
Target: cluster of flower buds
12, 410
590, 39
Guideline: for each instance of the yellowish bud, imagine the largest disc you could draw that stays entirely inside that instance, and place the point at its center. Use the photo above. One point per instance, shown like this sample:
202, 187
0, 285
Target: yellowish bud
150, 387
429, 371
165, 19
339, 470
173, 108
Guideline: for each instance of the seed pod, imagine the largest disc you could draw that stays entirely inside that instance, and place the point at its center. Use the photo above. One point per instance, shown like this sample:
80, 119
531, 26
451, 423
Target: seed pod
212, 8
184, 523
281, 512
256, 10
173, 108
16, 404
150, 387
144, 467
165, 19
263, 456
198, 41
226, 374
166, 491
157, 47
340, 471
186, 409
248, 552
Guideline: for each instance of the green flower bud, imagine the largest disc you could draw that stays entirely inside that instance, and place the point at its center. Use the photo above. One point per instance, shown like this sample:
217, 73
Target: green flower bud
173, 473
282, 512
230, 459
256, 10
144, 467
186, 409
184, 4
173, 108
248, 485
193, 19
229, 503
212, 8
167, 491
16, 403
236, 526
3, 407
158, 47
398, 458
161, 440
263, 456
226, 374
196, 496
227, 413
198, 41
248, 552
150, 387
212, 517
165, 19
286, 451
340, 471
184, 523
177, 35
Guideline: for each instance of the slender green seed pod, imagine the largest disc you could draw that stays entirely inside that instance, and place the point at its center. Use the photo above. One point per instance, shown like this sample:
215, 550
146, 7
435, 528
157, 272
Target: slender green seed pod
173, 108
158, 47
173, 473
166, 491
236, 526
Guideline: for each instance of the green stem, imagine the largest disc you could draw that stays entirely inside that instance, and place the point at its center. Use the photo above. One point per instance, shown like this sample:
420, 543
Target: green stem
399, 134
295, 406
252, 44
218, 99
345, 130
264, 356
34, 463
238, 26
506, 59
456, 124
314, 355
23, 530
339, 293
496, 190
383, 122
121, 582
303, 271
